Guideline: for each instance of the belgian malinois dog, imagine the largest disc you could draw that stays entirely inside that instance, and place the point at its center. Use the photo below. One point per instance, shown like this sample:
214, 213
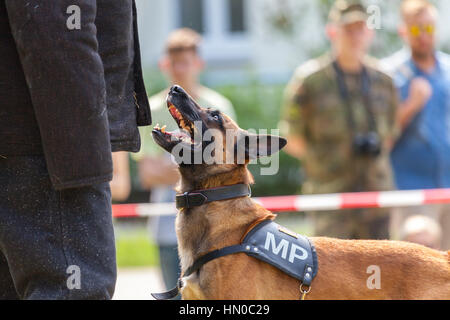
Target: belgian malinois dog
346, 267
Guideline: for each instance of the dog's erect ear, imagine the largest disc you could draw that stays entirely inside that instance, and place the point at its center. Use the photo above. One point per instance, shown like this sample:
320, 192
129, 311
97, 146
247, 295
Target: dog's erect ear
255, 146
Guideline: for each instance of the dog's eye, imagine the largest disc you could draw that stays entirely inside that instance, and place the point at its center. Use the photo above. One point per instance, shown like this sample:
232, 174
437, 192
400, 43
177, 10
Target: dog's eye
215, 115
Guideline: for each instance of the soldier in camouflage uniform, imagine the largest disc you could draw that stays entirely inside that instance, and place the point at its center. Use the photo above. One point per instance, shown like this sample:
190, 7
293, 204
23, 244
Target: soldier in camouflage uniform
332, 103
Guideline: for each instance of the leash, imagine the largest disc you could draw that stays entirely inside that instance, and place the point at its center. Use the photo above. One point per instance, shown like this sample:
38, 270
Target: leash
200, 197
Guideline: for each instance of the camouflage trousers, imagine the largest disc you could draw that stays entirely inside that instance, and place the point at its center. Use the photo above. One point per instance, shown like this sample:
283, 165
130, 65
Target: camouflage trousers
372, 223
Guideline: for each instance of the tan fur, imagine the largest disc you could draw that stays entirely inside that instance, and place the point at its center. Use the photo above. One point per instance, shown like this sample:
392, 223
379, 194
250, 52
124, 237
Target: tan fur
408, 271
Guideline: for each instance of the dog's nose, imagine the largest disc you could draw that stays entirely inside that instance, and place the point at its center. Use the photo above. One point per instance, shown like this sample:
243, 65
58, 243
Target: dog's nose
177, 89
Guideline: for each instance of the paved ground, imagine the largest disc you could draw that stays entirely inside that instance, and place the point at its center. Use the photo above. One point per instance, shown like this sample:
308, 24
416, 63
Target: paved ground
137, 283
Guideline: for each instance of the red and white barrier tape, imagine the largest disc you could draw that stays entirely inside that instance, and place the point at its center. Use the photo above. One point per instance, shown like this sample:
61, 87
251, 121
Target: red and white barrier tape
320, 202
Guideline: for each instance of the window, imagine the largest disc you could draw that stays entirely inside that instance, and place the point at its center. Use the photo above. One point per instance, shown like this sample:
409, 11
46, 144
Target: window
236, 16
191, 14
222, 23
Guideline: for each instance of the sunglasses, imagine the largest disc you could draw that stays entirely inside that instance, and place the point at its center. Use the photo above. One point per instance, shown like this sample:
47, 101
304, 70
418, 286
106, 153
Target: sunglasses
416, 30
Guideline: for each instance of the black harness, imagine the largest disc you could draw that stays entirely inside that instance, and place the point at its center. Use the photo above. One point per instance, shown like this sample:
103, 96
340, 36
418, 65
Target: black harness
267, 241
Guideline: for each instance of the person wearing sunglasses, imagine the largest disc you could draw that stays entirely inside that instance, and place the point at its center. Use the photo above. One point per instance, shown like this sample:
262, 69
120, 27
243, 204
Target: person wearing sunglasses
421, 156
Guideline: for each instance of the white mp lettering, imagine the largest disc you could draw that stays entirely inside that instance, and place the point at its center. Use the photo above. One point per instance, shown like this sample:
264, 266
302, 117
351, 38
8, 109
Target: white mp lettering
283, 245
294, 255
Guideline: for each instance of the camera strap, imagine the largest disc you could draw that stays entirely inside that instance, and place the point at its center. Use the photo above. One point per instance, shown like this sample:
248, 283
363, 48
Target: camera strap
345, 95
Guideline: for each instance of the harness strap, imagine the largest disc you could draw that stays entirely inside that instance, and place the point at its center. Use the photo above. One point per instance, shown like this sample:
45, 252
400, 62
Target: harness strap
305, 271
214, 255
208, 257
197, 265
200, 197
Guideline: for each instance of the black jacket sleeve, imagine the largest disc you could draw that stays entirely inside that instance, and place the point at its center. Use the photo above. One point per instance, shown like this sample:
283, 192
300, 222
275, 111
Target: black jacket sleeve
65, 78
126, 96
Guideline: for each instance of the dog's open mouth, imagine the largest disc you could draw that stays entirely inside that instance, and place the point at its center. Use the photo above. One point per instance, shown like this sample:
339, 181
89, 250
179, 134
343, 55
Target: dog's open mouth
186, 132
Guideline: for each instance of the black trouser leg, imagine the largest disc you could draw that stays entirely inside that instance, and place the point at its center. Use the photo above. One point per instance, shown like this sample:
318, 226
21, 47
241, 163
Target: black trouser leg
7, 289
59, 244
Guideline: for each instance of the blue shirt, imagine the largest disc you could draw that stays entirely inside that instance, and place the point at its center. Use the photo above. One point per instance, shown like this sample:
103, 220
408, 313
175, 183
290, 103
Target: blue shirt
421, 156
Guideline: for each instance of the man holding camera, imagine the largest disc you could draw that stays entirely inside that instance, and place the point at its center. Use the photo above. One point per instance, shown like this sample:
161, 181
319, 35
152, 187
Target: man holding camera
340, 119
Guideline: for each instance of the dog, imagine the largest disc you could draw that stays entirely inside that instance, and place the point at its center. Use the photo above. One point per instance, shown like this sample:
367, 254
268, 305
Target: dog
345, 267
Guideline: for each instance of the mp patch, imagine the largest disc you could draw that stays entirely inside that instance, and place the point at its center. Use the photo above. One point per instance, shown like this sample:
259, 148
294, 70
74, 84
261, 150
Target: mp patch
284, 249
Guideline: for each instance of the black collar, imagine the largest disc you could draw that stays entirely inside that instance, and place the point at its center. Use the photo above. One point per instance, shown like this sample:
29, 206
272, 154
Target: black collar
199, 197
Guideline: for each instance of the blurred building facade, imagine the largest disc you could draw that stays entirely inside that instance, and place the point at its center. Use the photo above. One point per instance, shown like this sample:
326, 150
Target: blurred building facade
262, 39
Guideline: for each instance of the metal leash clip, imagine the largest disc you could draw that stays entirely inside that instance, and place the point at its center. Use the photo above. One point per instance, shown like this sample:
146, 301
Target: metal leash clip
303, 291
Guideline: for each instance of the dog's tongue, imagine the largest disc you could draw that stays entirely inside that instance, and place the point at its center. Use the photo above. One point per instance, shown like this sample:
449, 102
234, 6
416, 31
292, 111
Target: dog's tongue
179, 134
182, 136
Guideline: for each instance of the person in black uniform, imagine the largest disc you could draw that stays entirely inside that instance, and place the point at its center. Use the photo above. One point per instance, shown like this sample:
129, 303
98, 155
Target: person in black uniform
69, 97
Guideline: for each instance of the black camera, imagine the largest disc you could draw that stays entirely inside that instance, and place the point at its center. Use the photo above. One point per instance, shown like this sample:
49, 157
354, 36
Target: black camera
367, 144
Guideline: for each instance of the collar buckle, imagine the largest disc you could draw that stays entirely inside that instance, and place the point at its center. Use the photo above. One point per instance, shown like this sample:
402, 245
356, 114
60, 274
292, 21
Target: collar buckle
190, 199
197, 198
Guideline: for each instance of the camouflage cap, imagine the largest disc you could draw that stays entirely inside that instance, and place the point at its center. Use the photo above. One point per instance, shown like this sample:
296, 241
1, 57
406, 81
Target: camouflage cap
348, 11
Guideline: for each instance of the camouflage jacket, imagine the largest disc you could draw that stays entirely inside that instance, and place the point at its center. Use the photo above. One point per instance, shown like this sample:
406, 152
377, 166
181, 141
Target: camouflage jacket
315, 111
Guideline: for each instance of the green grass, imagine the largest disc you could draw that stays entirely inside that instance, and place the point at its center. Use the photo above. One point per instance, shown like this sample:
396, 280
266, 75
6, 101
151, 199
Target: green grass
135, 249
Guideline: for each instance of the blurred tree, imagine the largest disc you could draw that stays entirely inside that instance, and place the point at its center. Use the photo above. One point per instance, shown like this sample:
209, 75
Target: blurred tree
257, 106
292, 19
